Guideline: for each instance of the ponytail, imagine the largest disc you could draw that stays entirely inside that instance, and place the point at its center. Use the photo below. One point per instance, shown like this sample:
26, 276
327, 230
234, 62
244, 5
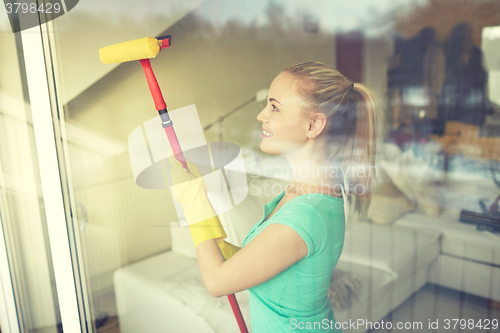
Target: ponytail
361, 154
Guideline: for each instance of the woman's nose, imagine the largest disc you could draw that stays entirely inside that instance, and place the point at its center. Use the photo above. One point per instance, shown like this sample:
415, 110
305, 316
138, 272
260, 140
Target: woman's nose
260, 116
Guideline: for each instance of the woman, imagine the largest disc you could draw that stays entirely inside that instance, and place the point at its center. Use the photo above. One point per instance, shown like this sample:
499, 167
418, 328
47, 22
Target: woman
321, 122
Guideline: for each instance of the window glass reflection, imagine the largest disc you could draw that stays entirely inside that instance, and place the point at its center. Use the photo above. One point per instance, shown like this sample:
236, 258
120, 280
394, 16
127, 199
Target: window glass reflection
434, 68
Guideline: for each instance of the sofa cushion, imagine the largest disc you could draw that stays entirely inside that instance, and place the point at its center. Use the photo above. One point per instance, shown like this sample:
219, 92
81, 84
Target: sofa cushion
388, 202
390, 247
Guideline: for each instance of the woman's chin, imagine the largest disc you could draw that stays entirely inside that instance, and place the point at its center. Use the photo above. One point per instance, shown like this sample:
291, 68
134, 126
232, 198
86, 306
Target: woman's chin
279, 148
266, 149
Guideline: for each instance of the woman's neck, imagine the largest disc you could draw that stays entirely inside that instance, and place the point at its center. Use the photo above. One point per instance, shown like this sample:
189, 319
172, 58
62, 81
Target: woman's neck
311, 174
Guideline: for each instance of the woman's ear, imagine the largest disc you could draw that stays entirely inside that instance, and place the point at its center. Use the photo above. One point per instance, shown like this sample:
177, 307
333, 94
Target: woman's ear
316, 125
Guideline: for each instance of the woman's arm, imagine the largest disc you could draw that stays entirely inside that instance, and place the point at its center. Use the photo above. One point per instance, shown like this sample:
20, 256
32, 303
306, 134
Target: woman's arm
228, 250
275, 249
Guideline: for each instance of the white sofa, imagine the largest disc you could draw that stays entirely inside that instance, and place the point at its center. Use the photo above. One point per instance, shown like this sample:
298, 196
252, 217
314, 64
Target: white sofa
165, 293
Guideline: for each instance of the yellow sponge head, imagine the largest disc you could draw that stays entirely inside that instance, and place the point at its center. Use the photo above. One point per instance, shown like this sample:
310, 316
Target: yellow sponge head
142, 48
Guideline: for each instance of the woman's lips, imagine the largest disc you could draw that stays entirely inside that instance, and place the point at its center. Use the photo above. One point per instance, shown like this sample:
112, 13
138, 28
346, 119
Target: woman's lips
266, 134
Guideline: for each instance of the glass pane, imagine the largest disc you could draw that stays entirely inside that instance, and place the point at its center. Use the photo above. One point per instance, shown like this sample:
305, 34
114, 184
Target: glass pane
433, 69
21, 201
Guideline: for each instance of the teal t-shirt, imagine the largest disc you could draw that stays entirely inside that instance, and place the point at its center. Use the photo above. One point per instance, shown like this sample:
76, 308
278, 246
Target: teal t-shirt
296, 300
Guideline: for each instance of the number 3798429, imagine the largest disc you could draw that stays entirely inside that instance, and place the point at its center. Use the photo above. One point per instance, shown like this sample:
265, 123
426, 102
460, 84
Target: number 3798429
23, 7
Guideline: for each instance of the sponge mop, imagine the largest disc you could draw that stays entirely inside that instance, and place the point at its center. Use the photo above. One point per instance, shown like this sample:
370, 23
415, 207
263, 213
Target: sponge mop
144, 49
137, 49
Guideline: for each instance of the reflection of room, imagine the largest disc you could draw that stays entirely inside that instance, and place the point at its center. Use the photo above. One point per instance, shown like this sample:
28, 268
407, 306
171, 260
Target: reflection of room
446, 87
435, 142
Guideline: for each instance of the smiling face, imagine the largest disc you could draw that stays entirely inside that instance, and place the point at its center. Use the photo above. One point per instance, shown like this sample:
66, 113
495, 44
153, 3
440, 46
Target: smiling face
284, 120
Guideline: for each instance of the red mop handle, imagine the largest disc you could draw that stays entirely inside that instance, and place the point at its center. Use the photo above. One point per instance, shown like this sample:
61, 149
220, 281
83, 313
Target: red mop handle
161, 107
237, 313
153, 85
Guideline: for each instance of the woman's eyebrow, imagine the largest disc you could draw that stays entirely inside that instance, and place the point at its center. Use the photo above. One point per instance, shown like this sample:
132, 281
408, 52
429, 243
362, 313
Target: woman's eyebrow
273, 99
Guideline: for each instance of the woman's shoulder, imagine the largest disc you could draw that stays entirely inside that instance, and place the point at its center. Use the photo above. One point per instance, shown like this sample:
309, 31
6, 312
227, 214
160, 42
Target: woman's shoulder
324, 195
313, 208
315, 218
318, 201
313, 211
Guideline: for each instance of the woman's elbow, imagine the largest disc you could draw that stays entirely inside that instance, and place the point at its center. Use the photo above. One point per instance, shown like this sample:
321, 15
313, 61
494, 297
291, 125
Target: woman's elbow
220, 290
217, 289
214, 291
212, 288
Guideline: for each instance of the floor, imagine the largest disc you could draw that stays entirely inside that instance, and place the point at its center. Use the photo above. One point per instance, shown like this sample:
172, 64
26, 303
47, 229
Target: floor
433, 303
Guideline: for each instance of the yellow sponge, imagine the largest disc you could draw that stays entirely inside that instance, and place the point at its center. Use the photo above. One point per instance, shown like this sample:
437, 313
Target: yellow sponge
142, 48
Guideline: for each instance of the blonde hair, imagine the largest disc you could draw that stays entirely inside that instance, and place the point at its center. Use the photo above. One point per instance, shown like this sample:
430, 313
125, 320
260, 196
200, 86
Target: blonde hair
350, 128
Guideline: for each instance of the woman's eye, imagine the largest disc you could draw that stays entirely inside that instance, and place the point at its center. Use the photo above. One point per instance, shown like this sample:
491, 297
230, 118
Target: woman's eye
274, 108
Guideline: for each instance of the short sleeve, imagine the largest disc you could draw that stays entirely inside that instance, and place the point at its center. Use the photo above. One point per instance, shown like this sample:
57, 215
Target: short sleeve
305, 220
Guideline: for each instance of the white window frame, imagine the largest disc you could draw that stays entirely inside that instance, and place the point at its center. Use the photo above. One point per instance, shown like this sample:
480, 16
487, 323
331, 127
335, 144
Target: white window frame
37, 76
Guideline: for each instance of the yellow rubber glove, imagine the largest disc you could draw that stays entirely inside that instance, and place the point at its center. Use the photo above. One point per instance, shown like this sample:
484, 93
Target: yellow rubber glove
227, 249
190, 190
